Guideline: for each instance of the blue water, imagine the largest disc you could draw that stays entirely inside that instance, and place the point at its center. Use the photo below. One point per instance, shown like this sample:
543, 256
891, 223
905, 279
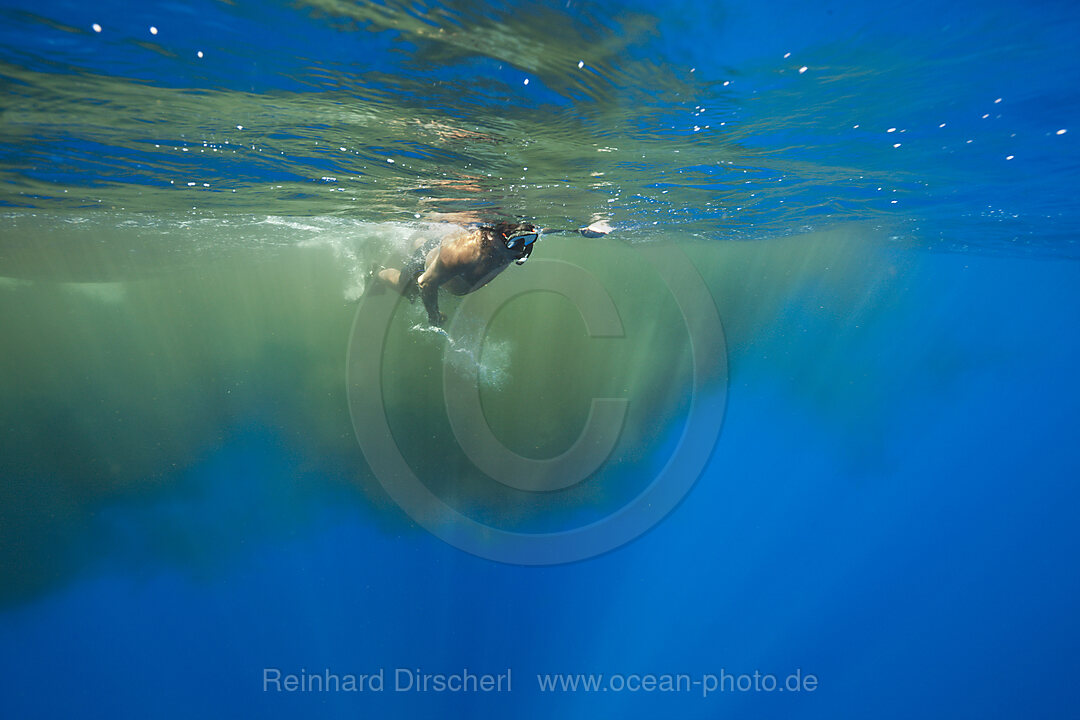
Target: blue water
890, 506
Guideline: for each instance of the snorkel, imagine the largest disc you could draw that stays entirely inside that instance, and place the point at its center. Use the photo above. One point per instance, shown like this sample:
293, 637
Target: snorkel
522, 238
599, 228
523, 241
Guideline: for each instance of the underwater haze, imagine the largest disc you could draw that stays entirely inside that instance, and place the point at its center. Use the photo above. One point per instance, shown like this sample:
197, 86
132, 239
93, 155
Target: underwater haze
794, 440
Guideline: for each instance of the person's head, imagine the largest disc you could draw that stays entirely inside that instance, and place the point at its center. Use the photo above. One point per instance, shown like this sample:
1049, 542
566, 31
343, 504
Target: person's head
518, 238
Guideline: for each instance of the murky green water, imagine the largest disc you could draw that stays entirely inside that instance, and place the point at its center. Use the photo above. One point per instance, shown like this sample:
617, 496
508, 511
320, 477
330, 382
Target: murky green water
136, 347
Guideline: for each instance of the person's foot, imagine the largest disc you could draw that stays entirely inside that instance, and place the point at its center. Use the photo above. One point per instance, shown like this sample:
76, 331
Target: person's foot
373, 284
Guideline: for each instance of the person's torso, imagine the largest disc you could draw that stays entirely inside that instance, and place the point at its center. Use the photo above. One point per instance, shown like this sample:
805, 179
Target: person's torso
481, 259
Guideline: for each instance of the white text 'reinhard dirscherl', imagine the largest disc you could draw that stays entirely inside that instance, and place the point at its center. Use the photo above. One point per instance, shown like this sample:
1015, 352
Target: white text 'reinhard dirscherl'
399, 679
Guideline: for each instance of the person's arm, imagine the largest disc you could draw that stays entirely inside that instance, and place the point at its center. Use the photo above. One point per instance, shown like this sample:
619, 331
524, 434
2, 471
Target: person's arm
428, 282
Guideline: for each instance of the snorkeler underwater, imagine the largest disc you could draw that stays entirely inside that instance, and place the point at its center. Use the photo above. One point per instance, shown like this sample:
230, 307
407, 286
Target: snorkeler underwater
463, 262
538, 358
